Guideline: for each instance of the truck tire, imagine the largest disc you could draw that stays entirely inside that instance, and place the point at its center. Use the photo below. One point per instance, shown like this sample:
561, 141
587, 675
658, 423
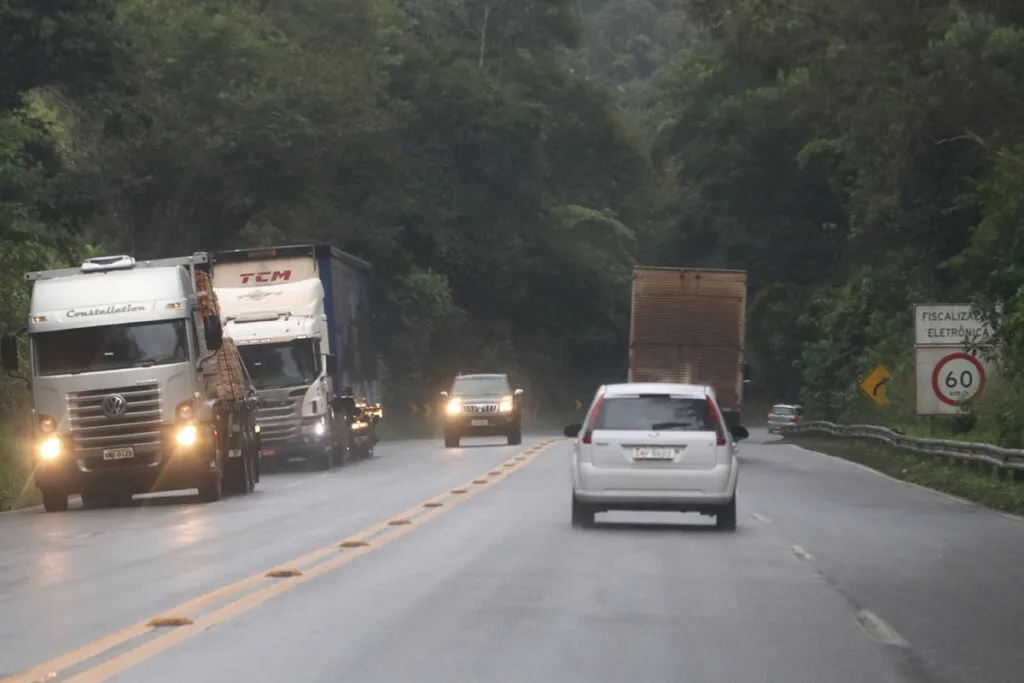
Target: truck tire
515, 438
211, 489
54, 500
451, 440
341, 449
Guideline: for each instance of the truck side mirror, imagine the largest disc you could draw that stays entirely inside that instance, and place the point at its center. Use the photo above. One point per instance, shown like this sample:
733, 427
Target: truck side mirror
572, 431
746, 373
9, 351
444, 394
517, 393
739, 433
213, 332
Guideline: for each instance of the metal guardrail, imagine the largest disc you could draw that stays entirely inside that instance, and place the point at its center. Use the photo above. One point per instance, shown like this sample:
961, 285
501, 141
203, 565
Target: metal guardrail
1006, 458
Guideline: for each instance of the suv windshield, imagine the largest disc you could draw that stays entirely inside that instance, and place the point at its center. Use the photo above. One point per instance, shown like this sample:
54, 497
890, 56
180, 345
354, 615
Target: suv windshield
110, 347
782, 410
660, 412
287, 364
480, 386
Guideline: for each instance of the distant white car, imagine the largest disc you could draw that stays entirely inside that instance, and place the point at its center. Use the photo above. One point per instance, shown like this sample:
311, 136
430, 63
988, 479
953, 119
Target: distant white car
655, 447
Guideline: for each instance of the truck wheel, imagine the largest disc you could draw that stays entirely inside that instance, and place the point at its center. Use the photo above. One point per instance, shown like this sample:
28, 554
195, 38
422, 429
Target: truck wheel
341, 449
211, 489
451, 440
515, 438
54, 500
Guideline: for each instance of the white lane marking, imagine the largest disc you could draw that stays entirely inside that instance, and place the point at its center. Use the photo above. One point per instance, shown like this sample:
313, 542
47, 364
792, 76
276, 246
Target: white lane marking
761, 518
877, 628
801, 553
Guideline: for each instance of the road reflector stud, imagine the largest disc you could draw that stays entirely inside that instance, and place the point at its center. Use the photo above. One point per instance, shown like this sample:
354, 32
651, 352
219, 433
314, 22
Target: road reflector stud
510, 464
479, 481
356, 543
520, 457
432, 504
283, 573
163, 622
494, 473
459, 491
398, 522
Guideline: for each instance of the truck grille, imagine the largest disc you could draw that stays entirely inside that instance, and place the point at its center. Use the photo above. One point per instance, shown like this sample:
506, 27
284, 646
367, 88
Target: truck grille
279, 419
137, 426
480, 408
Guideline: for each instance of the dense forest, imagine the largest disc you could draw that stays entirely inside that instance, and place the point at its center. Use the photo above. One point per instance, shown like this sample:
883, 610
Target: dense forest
503, 165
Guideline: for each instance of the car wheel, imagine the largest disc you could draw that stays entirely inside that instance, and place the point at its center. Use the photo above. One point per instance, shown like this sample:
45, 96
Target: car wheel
515, 438
54, 500
725, 519
582, 514
451, 440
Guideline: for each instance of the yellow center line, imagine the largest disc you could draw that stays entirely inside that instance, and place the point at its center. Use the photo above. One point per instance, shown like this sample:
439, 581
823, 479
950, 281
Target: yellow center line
415, 516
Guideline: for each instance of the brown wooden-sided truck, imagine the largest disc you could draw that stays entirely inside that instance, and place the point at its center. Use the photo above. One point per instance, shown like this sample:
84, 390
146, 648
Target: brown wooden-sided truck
687, 325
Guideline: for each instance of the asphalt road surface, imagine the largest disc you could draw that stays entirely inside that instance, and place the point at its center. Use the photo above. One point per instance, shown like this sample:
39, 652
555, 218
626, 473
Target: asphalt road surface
836, 574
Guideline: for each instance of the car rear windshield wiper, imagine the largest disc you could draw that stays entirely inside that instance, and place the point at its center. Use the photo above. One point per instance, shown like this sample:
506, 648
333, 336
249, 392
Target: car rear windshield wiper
672, 425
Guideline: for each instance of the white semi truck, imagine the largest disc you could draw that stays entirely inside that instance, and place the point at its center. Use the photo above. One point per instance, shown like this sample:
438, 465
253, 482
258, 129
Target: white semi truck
134, 388
300, 316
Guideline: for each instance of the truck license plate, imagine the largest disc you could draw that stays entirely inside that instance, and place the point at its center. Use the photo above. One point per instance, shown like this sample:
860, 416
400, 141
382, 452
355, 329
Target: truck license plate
480, 423
118, 453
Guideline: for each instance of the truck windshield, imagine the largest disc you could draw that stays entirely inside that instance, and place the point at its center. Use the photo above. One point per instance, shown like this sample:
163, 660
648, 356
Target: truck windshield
480, 386
110, 347
286, 364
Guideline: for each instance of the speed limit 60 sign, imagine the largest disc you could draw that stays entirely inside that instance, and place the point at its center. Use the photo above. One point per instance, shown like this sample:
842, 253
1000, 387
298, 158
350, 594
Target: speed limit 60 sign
947, 379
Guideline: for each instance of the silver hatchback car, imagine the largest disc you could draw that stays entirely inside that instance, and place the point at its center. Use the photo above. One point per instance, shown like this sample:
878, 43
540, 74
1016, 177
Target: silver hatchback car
784, 415
655, 447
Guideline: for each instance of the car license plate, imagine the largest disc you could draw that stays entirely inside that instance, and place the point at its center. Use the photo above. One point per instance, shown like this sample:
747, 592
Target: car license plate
266, 451
480, 423
650, 453
118, 453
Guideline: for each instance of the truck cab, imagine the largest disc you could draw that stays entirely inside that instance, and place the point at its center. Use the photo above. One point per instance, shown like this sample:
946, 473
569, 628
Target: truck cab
121, 403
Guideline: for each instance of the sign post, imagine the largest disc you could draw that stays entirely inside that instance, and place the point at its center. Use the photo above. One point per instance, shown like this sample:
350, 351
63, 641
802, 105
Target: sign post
874, 384
947, 376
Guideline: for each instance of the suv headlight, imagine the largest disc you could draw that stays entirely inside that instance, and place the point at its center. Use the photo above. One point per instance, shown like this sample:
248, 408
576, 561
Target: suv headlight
506, 405
454, 406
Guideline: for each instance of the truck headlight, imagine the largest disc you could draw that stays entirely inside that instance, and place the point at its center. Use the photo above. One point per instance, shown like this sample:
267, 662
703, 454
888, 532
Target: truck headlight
50, 448
184, 411
454, 407
47, 424
506, 405
187, 436
319, 428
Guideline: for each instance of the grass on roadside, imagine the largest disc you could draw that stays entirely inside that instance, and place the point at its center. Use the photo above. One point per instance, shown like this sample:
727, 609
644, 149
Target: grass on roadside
16, 488
979, 483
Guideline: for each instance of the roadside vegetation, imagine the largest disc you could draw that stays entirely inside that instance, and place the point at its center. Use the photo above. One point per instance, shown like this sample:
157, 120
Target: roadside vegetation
504, 164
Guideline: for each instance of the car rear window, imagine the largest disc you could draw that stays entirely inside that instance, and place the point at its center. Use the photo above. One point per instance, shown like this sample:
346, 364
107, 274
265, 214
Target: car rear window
781, 410
656, 411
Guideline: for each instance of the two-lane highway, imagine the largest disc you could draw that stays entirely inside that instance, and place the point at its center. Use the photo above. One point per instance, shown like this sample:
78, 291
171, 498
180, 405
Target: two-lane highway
460, 565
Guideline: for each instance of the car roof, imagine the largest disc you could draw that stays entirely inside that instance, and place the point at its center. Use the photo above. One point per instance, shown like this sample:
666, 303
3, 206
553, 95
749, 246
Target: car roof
786, 405
493, 375
629, 388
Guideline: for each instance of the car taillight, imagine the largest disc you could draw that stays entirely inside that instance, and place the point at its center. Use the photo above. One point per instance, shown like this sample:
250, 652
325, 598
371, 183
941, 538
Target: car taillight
770, 416
793, 418
591, 418
719, 426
